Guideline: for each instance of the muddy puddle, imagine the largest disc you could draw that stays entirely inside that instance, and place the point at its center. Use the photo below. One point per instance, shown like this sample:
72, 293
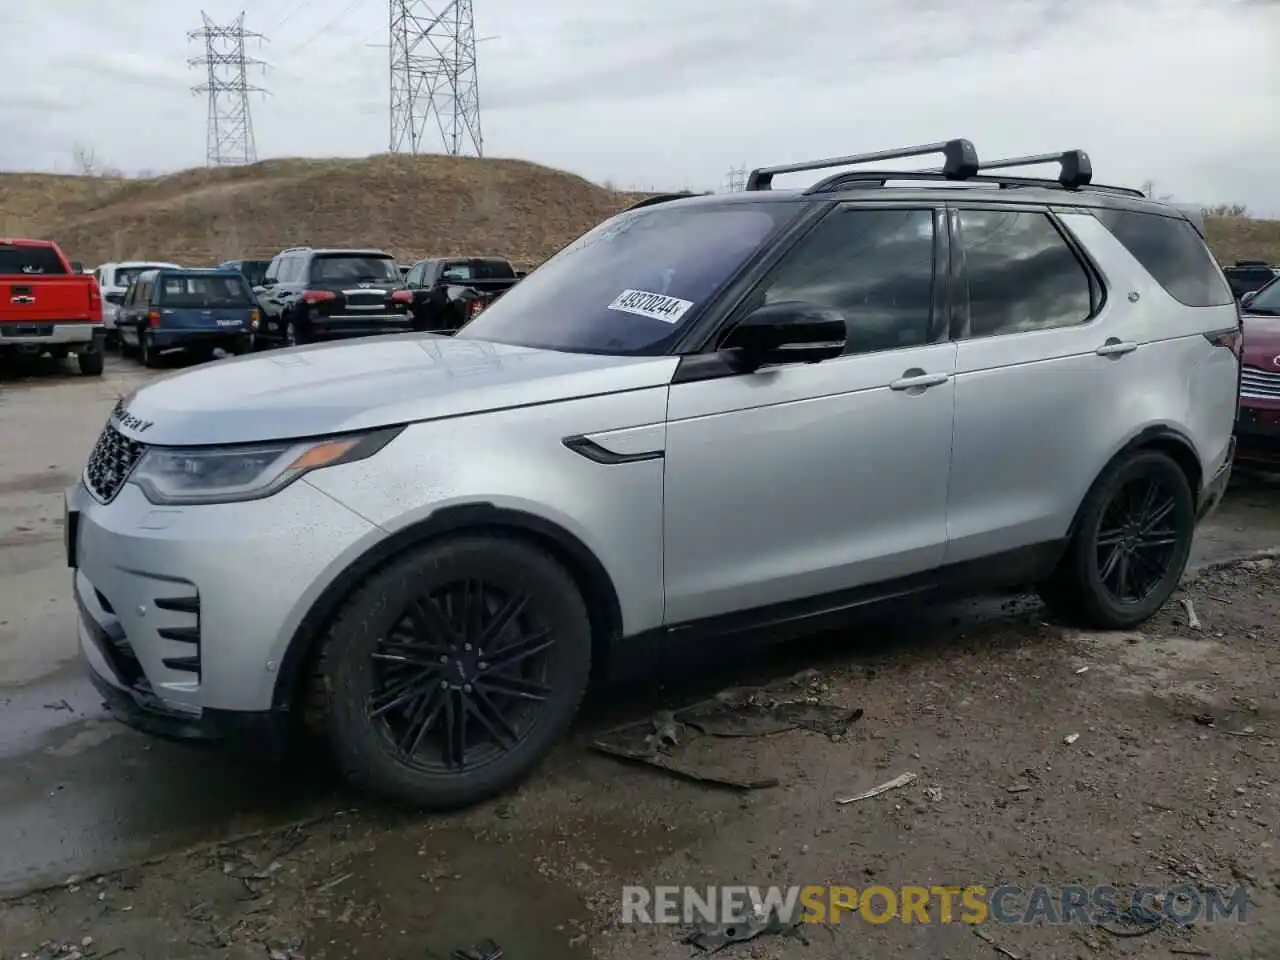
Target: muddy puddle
532, 892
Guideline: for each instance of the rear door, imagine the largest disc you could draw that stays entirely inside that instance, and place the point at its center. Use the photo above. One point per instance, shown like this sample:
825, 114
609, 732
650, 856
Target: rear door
1039, 410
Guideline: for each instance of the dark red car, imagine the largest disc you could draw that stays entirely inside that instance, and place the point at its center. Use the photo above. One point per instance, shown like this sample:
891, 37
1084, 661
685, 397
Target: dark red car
1258, 429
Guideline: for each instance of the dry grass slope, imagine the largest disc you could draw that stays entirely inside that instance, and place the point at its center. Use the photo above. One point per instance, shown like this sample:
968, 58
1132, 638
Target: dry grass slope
411, 206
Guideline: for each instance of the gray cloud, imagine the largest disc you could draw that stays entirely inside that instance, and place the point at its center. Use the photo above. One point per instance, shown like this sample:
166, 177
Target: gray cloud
669, 93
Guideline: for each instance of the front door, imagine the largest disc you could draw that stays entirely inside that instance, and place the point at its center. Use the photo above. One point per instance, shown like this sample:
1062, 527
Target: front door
799, 481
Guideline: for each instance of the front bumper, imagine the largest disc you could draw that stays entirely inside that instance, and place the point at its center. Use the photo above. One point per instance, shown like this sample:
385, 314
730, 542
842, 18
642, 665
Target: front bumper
1258, 433
186, 612
49, 334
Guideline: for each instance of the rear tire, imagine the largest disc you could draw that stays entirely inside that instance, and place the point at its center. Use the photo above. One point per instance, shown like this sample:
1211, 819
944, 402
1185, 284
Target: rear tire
1130, 546
478, 643
147, 350
91, 363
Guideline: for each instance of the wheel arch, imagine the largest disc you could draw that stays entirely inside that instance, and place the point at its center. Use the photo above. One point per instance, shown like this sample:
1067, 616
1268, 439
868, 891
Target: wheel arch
598, 591
1163, 438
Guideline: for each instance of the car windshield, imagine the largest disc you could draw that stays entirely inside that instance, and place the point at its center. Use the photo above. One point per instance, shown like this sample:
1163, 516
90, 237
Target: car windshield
194, 290
353, 268
631, 285
126, 275
1267, 300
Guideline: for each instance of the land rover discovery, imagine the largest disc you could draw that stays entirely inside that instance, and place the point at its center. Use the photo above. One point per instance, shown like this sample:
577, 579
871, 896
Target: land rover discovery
707, 415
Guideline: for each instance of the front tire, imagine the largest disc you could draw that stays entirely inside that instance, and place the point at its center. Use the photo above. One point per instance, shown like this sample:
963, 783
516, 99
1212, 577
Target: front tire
450, 674
1130, 547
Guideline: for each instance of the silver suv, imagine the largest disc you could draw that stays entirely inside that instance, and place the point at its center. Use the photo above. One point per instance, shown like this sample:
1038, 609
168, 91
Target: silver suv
708, 415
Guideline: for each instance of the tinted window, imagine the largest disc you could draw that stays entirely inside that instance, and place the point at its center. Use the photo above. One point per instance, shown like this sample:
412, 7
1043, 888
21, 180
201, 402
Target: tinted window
874, 266
477, 270
631, 285
345, 268
16, 260
196, 290
1266, 301
1021, 274
1173, 253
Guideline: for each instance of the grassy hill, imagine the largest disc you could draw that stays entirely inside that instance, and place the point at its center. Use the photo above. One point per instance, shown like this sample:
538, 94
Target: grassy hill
411, 206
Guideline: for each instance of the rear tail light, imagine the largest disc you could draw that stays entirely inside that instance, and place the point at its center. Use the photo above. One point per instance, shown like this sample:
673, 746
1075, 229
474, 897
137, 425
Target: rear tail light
318, 296
1231, 340
153, 319
253, 319
402, 296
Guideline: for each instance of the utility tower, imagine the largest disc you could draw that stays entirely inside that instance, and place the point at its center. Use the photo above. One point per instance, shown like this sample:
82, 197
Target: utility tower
433, 77
227, 85
736, 179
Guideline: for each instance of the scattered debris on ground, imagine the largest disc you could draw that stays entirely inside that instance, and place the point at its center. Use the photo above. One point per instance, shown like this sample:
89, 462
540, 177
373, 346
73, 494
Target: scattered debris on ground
1173, 779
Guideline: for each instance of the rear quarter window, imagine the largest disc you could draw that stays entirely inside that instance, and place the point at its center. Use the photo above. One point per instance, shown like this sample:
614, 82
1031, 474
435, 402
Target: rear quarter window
1173, 253
31, 261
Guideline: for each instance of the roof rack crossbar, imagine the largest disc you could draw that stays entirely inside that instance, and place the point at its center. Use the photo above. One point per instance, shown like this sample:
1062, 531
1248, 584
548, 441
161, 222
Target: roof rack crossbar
879, 178
1074, 168
960, 162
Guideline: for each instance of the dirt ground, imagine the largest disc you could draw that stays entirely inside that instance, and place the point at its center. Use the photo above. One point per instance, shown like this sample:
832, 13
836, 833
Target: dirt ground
1172, 780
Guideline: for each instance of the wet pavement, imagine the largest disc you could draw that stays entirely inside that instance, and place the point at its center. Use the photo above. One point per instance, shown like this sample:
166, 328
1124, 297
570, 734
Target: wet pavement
80, 794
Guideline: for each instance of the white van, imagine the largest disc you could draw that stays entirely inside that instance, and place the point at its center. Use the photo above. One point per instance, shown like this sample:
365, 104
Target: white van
114, 280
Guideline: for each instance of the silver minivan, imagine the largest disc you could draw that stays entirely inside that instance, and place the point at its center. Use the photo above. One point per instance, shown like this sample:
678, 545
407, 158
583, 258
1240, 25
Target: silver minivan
707, 416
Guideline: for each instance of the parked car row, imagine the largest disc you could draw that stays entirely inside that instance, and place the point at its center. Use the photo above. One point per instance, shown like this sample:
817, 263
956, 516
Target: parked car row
302, 295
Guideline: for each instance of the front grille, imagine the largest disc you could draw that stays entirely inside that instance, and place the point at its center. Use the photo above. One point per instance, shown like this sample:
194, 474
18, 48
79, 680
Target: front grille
113, 458
1259, 383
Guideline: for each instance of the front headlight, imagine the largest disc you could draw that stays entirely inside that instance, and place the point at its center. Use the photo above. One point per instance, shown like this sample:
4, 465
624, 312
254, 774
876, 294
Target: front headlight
191, 475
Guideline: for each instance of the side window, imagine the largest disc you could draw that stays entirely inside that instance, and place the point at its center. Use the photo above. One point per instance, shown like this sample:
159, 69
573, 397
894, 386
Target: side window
1172, 252
295, 268
414, 279
129, 294
874, 266
1021, 274
142, 295
273, 270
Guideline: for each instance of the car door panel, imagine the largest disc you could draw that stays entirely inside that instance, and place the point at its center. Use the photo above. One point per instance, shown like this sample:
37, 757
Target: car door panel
806, 479
1035, 413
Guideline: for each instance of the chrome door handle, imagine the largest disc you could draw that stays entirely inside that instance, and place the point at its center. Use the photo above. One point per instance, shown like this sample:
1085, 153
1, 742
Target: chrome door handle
1116, 348
919, 380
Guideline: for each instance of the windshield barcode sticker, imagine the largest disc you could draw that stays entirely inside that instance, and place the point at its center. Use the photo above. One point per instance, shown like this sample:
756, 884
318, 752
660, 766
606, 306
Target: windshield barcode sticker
655, 306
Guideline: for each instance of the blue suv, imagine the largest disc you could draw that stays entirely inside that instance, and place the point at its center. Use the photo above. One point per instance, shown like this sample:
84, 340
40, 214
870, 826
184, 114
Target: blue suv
192, 310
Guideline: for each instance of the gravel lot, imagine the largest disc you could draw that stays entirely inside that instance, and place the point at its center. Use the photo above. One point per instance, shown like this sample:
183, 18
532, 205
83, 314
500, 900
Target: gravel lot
1172, 779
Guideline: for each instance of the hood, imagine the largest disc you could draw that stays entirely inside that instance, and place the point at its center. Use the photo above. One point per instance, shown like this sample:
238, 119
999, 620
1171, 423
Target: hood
1262, 342
330, 388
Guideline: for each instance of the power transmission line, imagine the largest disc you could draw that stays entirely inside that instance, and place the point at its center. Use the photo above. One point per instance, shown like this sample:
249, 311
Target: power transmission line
230, 133
433, 76
736, 179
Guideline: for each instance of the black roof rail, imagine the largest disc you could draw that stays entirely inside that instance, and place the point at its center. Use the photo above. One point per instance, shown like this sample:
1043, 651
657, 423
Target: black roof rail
662, 198
960, 163
879, 178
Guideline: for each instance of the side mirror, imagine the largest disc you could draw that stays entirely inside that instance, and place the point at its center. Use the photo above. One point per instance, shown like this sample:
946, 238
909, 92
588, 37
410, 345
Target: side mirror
77, 266
790, 331
1248, 298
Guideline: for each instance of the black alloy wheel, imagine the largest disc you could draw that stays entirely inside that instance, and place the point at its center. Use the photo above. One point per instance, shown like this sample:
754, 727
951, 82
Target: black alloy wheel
1137, 540
451, 672
461, 677
1131, 543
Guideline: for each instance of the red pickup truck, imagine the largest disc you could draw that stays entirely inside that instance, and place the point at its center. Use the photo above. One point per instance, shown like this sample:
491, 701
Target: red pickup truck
47, 307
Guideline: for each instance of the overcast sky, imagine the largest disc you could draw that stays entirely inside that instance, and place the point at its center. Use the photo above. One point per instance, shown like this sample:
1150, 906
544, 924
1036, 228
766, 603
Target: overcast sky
674, 93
